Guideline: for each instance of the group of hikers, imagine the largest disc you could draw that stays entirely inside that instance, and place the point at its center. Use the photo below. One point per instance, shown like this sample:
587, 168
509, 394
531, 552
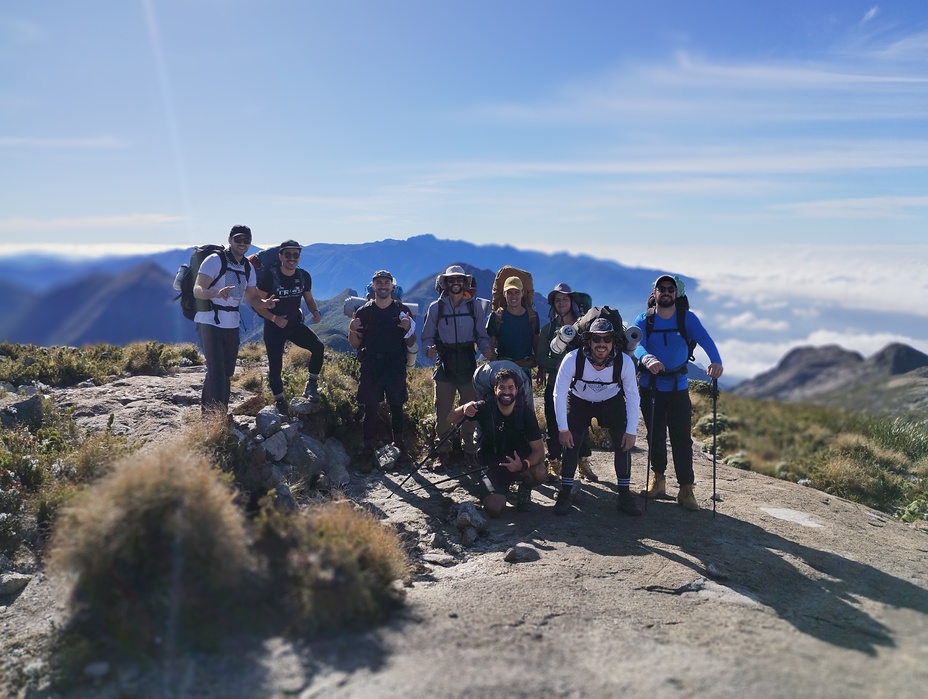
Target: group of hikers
581, 357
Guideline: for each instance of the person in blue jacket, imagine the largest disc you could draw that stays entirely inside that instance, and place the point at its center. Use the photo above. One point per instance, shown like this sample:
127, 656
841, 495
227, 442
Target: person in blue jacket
665, 400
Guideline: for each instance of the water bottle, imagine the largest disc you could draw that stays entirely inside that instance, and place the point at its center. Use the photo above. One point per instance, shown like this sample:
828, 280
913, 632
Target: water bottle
179, 277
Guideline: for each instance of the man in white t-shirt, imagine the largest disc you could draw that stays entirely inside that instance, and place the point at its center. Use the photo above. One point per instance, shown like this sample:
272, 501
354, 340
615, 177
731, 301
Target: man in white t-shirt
217, 316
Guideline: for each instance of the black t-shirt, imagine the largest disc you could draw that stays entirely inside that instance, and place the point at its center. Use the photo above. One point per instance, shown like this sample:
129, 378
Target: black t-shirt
288, 290
501, 435
383, 341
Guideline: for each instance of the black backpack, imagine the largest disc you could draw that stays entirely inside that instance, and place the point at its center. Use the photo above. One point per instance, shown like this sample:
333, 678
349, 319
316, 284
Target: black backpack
186, 277
610, 314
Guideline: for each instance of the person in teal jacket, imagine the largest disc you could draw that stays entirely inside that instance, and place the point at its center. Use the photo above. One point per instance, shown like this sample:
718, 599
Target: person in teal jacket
663, 355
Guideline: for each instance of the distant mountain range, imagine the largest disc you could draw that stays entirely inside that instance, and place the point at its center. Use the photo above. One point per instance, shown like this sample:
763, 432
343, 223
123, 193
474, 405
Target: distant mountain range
73, 301
891, 382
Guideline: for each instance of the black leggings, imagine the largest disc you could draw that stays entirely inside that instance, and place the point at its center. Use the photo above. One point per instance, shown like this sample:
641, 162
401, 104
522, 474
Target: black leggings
673, 415
274, 341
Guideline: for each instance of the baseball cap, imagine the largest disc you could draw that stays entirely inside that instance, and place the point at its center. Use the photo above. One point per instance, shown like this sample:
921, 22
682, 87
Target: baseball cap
290, 244
382, 274
512, 283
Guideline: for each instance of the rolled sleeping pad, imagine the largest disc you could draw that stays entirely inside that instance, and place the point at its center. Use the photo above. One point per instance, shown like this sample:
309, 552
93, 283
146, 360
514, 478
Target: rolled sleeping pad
633, 337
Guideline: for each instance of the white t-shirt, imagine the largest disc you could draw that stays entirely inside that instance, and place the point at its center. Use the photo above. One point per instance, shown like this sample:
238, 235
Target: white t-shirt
235, 277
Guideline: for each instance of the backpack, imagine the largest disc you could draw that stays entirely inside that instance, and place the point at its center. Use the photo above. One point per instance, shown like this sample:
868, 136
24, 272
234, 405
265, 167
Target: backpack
186, 277
581, 364
485, 378
498, 298
682, 304
265, 258
610, 314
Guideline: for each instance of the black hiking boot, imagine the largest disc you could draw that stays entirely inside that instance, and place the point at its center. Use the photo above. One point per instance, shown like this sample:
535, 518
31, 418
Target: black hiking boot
311, 391
524, 497
366, 465
564, 500
282, 407
626, 504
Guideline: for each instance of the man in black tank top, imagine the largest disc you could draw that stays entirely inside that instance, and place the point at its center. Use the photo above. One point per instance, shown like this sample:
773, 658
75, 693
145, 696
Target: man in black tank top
381, 330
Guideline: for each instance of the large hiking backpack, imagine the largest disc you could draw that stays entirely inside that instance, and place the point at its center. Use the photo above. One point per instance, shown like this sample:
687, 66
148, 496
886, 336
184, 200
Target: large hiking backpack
485, 378
186, 277
610, 314
266, 258
682, 304
498, 298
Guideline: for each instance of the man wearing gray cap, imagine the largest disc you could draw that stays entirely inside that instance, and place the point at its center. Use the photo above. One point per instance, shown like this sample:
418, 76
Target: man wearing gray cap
454, 329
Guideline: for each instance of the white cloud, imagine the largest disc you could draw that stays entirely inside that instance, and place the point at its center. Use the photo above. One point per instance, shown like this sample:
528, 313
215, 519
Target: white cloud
30, 225
870, 14
869, 207
749, 321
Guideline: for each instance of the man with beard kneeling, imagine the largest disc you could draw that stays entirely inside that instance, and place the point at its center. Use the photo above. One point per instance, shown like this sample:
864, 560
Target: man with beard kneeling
511, 449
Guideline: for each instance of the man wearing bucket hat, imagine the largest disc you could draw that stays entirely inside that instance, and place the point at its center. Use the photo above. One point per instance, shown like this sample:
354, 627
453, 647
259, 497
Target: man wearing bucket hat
665, 400
454, 329
566, 306
381, 330
291, 286
597, 380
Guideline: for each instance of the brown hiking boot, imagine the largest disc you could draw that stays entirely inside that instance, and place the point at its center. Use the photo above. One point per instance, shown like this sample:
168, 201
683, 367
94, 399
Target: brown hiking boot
554, 471
657, 486
586, 470
686, 498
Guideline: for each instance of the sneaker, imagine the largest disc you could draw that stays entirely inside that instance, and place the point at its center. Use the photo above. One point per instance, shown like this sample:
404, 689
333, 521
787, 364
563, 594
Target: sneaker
657, 486
366, 465
626, 504
586, 469
686, 498
524, 497
564, 501
311, 392
554, 471
282, 407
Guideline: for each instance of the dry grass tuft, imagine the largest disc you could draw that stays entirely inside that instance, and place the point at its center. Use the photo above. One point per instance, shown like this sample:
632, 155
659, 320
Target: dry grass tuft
336, 563
157, 552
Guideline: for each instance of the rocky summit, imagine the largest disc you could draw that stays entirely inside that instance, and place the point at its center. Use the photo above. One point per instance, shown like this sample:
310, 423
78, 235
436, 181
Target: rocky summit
771, 589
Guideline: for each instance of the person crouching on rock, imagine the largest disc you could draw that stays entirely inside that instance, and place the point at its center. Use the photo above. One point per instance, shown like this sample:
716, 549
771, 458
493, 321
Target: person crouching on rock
290, 285
598, 381
510, 446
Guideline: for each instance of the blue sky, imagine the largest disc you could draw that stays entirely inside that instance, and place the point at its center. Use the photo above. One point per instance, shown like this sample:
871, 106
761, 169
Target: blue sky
725, 140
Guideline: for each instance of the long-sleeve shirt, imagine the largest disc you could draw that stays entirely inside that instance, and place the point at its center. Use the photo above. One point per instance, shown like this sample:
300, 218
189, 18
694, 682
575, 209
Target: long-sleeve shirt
668, 345
457, 324
595, 386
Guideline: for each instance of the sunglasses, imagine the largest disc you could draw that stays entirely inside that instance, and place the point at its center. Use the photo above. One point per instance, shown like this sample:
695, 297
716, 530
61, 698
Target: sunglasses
291, 255
241, 239
666, 289
601, 339
455, 280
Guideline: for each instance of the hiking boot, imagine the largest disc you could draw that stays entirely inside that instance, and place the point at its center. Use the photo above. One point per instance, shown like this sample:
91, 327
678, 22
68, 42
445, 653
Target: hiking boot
282, 407
686, 498
524, 497
564, 501
626, 504
443, 463
403, 459
657, 486
469, 461
554, 471
311, 392
366, 464
586, 470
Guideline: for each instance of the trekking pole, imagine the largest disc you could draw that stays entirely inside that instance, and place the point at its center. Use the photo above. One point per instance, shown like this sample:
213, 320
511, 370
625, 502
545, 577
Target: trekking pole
431, 455
715, 429
449, 478
650, 430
